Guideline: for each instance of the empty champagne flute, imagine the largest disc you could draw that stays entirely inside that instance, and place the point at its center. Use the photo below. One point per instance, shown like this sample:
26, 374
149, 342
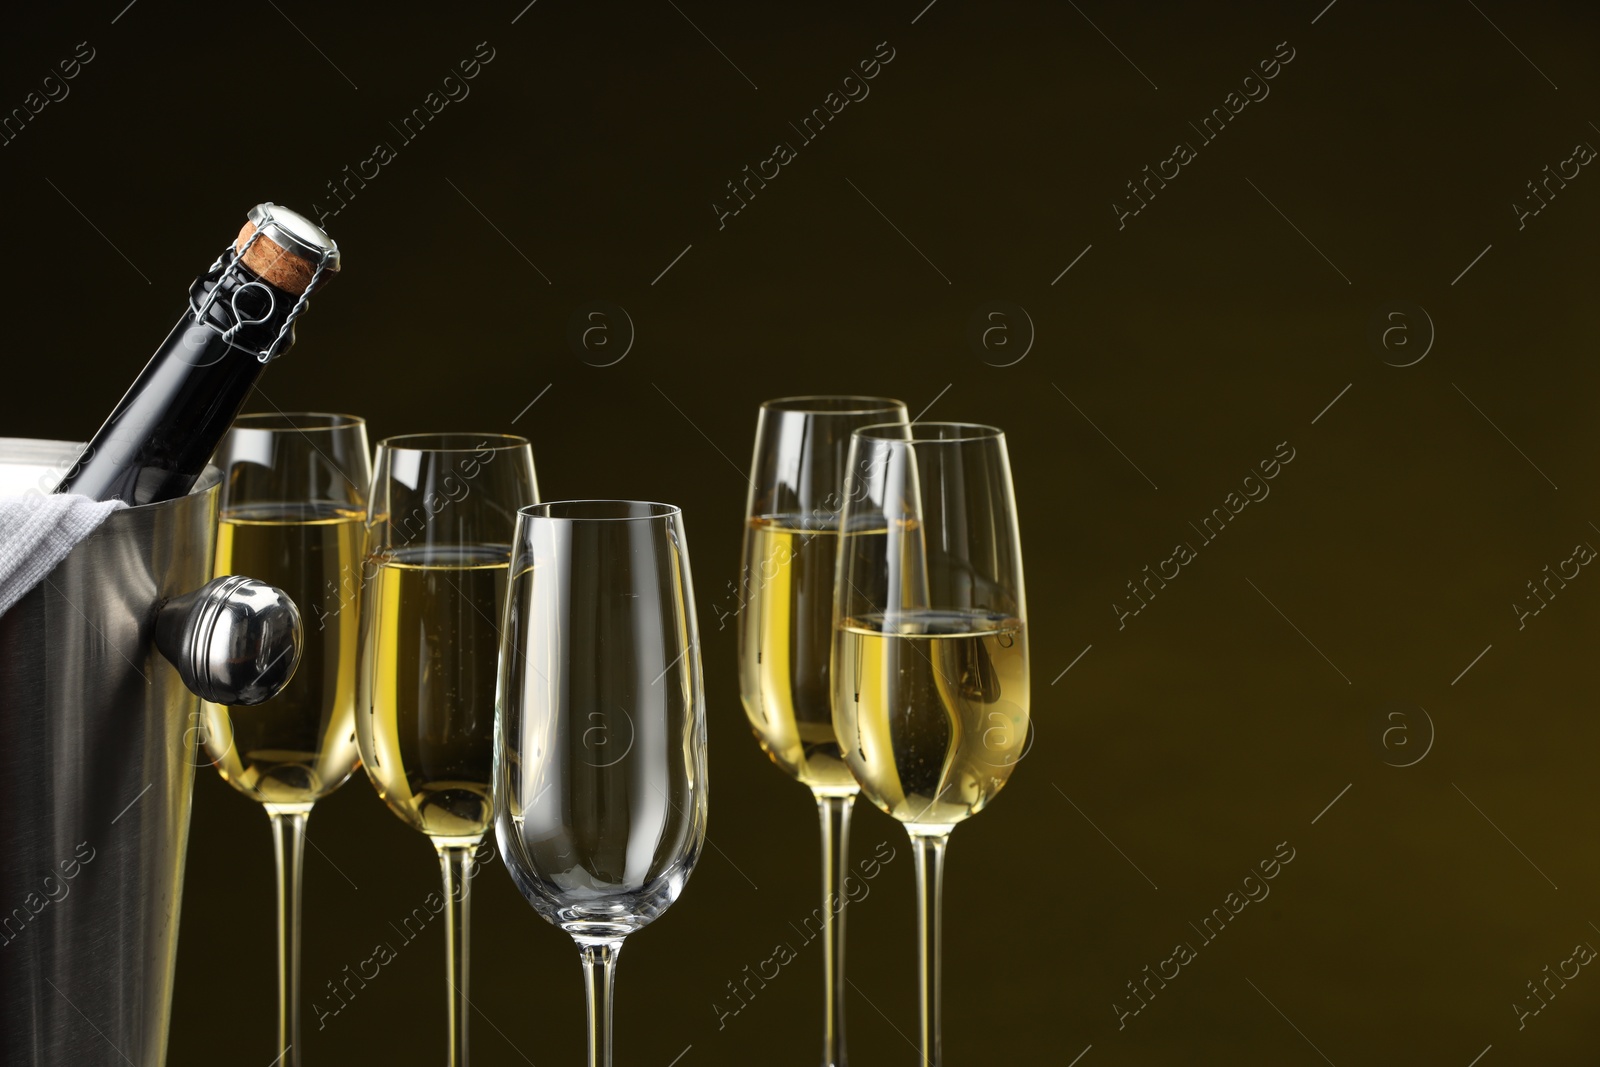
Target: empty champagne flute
791, 543
293, 497
440, 526
600, 733
930, 655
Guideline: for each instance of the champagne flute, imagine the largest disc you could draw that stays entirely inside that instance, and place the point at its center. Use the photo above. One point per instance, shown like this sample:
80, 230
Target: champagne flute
786, 632
930, 653
600, 731
293, 497
439, 527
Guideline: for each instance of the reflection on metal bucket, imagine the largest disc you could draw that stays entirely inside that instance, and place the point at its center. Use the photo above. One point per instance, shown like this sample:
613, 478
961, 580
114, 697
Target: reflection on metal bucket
96, 773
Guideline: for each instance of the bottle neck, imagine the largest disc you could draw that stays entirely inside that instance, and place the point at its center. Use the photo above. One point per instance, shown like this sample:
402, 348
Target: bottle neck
158, 440
241, 310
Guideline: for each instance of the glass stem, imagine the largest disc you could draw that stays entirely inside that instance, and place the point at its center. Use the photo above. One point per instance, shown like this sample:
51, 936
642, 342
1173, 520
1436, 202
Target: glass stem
834, 813
928, 852
599, 984
455, 865
288, 850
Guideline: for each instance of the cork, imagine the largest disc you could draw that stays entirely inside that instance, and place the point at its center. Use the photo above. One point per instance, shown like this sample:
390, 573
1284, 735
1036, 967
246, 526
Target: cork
275, 264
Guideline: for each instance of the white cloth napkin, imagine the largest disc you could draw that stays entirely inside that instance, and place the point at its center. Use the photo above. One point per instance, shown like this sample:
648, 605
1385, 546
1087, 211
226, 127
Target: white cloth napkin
37, 531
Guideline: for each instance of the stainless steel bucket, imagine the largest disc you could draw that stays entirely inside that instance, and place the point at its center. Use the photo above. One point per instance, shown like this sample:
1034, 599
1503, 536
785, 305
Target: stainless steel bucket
97, 764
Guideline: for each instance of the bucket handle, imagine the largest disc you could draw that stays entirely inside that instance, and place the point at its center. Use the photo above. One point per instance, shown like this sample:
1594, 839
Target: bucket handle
234, 641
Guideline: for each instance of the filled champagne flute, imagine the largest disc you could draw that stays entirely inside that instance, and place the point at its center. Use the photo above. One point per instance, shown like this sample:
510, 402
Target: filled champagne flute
791, 542
439, 527
293, 500
600, 731
930, 647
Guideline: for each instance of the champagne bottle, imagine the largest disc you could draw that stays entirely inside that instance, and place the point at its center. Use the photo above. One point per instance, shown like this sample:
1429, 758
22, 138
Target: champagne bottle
240, 317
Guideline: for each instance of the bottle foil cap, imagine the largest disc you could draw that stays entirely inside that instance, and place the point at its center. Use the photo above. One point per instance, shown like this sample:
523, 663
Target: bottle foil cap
288, 250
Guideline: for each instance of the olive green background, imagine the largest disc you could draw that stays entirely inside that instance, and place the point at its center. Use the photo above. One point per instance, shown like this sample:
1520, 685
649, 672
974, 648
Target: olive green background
1220, 721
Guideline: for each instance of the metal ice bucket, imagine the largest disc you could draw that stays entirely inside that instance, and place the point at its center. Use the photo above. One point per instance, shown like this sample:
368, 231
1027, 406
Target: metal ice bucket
99, 670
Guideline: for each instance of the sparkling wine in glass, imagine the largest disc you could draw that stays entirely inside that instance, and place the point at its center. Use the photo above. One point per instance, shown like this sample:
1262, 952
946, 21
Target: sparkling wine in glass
600, 732
930, 653
439, 527
294, 488
791, 543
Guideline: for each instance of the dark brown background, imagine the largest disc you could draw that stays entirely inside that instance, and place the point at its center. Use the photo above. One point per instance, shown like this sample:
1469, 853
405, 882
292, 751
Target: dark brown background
1197, 339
